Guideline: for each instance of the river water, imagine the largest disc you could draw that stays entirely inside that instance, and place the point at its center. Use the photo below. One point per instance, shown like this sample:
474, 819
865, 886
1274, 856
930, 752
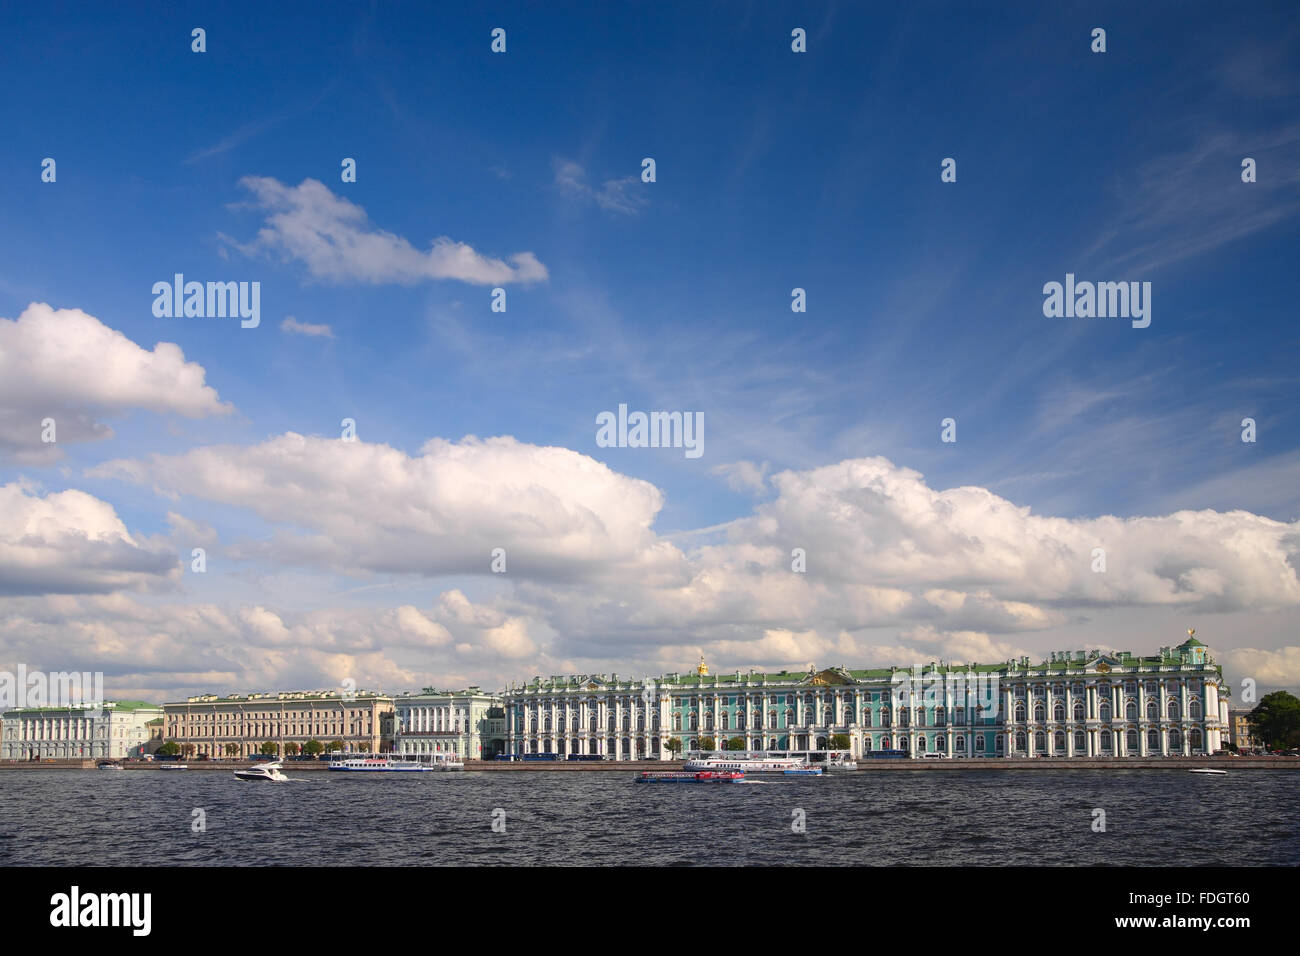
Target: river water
1151, 818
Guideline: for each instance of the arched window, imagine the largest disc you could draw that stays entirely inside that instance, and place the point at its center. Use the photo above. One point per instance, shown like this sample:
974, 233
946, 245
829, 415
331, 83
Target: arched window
1175, 739
771, 719
961, 716
828, 717
1040, 713
677, 721
848, 713
1153, 740
1103, 711
920, 744
1040, 742
559, 724
1020, 712
904, 717
1058, 712
1194, 738
1131, 710
1022, 741
789, 718
939, 716
592, 724
1078, 710
1131, 741
725, 721
708, 720
1058, 741
1194, 709
979, 742
920, 716
740, 720
1079, 743
1173, 710
532, 726
546, 723
695, 721
1106, 744
884, 717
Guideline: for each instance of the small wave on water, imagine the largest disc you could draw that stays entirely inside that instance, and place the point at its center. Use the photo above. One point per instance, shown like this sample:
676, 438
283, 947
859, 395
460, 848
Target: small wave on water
535, 819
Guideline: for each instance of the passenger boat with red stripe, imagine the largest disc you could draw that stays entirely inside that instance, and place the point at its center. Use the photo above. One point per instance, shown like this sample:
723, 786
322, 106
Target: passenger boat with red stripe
752, 763
681, 776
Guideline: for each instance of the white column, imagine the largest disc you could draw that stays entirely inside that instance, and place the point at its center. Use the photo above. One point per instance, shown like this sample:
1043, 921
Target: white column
1183, 719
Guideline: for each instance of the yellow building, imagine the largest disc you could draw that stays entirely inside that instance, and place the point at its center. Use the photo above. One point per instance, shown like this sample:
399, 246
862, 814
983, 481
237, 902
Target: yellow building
216, 725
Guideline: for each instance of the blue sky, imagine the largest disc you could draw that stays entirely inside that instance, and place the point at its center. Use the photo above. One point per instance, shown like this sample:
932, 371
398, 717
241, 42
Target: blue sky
775, 170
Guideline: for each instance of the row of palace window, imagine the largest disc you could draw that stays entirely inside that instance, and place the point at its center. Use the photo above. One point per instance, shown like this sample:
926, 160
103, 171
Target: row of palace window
1173, 710
1106, 741
726, 721
1153, 690
197, 729
939, 743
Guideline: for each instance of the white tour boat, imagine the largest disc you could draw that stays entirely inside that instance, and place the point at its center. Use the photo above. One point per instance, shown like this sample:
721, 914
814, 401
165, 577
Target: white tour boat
749, 763
262, 771
397, 763
1208, 770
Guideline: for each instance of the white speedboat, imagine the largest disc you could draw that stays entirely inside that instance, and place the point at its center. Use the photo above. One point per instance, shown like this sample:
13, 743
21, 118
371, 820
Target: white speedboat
109, 765
1208, 770
173, 766
262, 771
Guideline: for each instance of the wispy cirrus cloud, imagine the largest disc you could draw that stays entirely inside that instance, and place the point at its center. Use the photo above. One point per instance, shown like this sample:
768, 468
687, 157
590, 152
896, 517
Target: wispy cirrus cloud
292, 325
616, 195
1187, 203
335, 240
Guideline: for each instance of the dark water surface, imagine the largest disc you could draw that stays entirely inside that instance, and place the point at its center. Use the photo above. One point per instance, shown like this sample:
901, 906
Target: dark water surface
931, 817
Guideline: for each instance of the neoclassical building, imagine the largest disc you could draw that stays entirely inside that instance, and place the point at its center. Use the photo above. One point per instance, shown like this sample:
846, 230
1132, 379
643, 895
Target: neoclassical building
469, 723
361, 721
1074, 704
117, 729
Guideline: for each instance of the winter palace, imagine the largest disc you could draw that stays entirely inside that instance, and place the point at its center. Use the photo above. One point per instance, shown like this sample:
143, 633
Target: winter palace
1075, 704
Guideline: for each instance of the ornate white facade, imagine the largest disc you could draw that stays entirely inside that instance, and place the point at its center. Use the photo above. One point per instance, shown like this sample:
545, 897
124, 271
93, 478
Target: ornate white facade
468, 723
1075, 704
118, 729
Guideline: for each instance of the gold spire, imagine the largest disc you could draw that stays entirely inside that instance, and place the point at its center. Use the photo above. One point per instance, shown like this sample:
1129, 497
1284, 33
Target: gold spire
703, 668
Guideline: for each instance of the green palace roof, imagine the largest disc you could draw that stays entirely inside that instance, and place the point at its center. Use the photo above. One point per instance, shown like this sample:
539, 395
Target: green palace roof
1062, 662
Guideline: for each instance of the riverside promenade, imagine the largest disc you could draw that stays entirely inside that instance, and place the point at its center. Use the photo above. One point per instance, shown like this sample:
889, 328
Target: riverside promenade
865, 765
